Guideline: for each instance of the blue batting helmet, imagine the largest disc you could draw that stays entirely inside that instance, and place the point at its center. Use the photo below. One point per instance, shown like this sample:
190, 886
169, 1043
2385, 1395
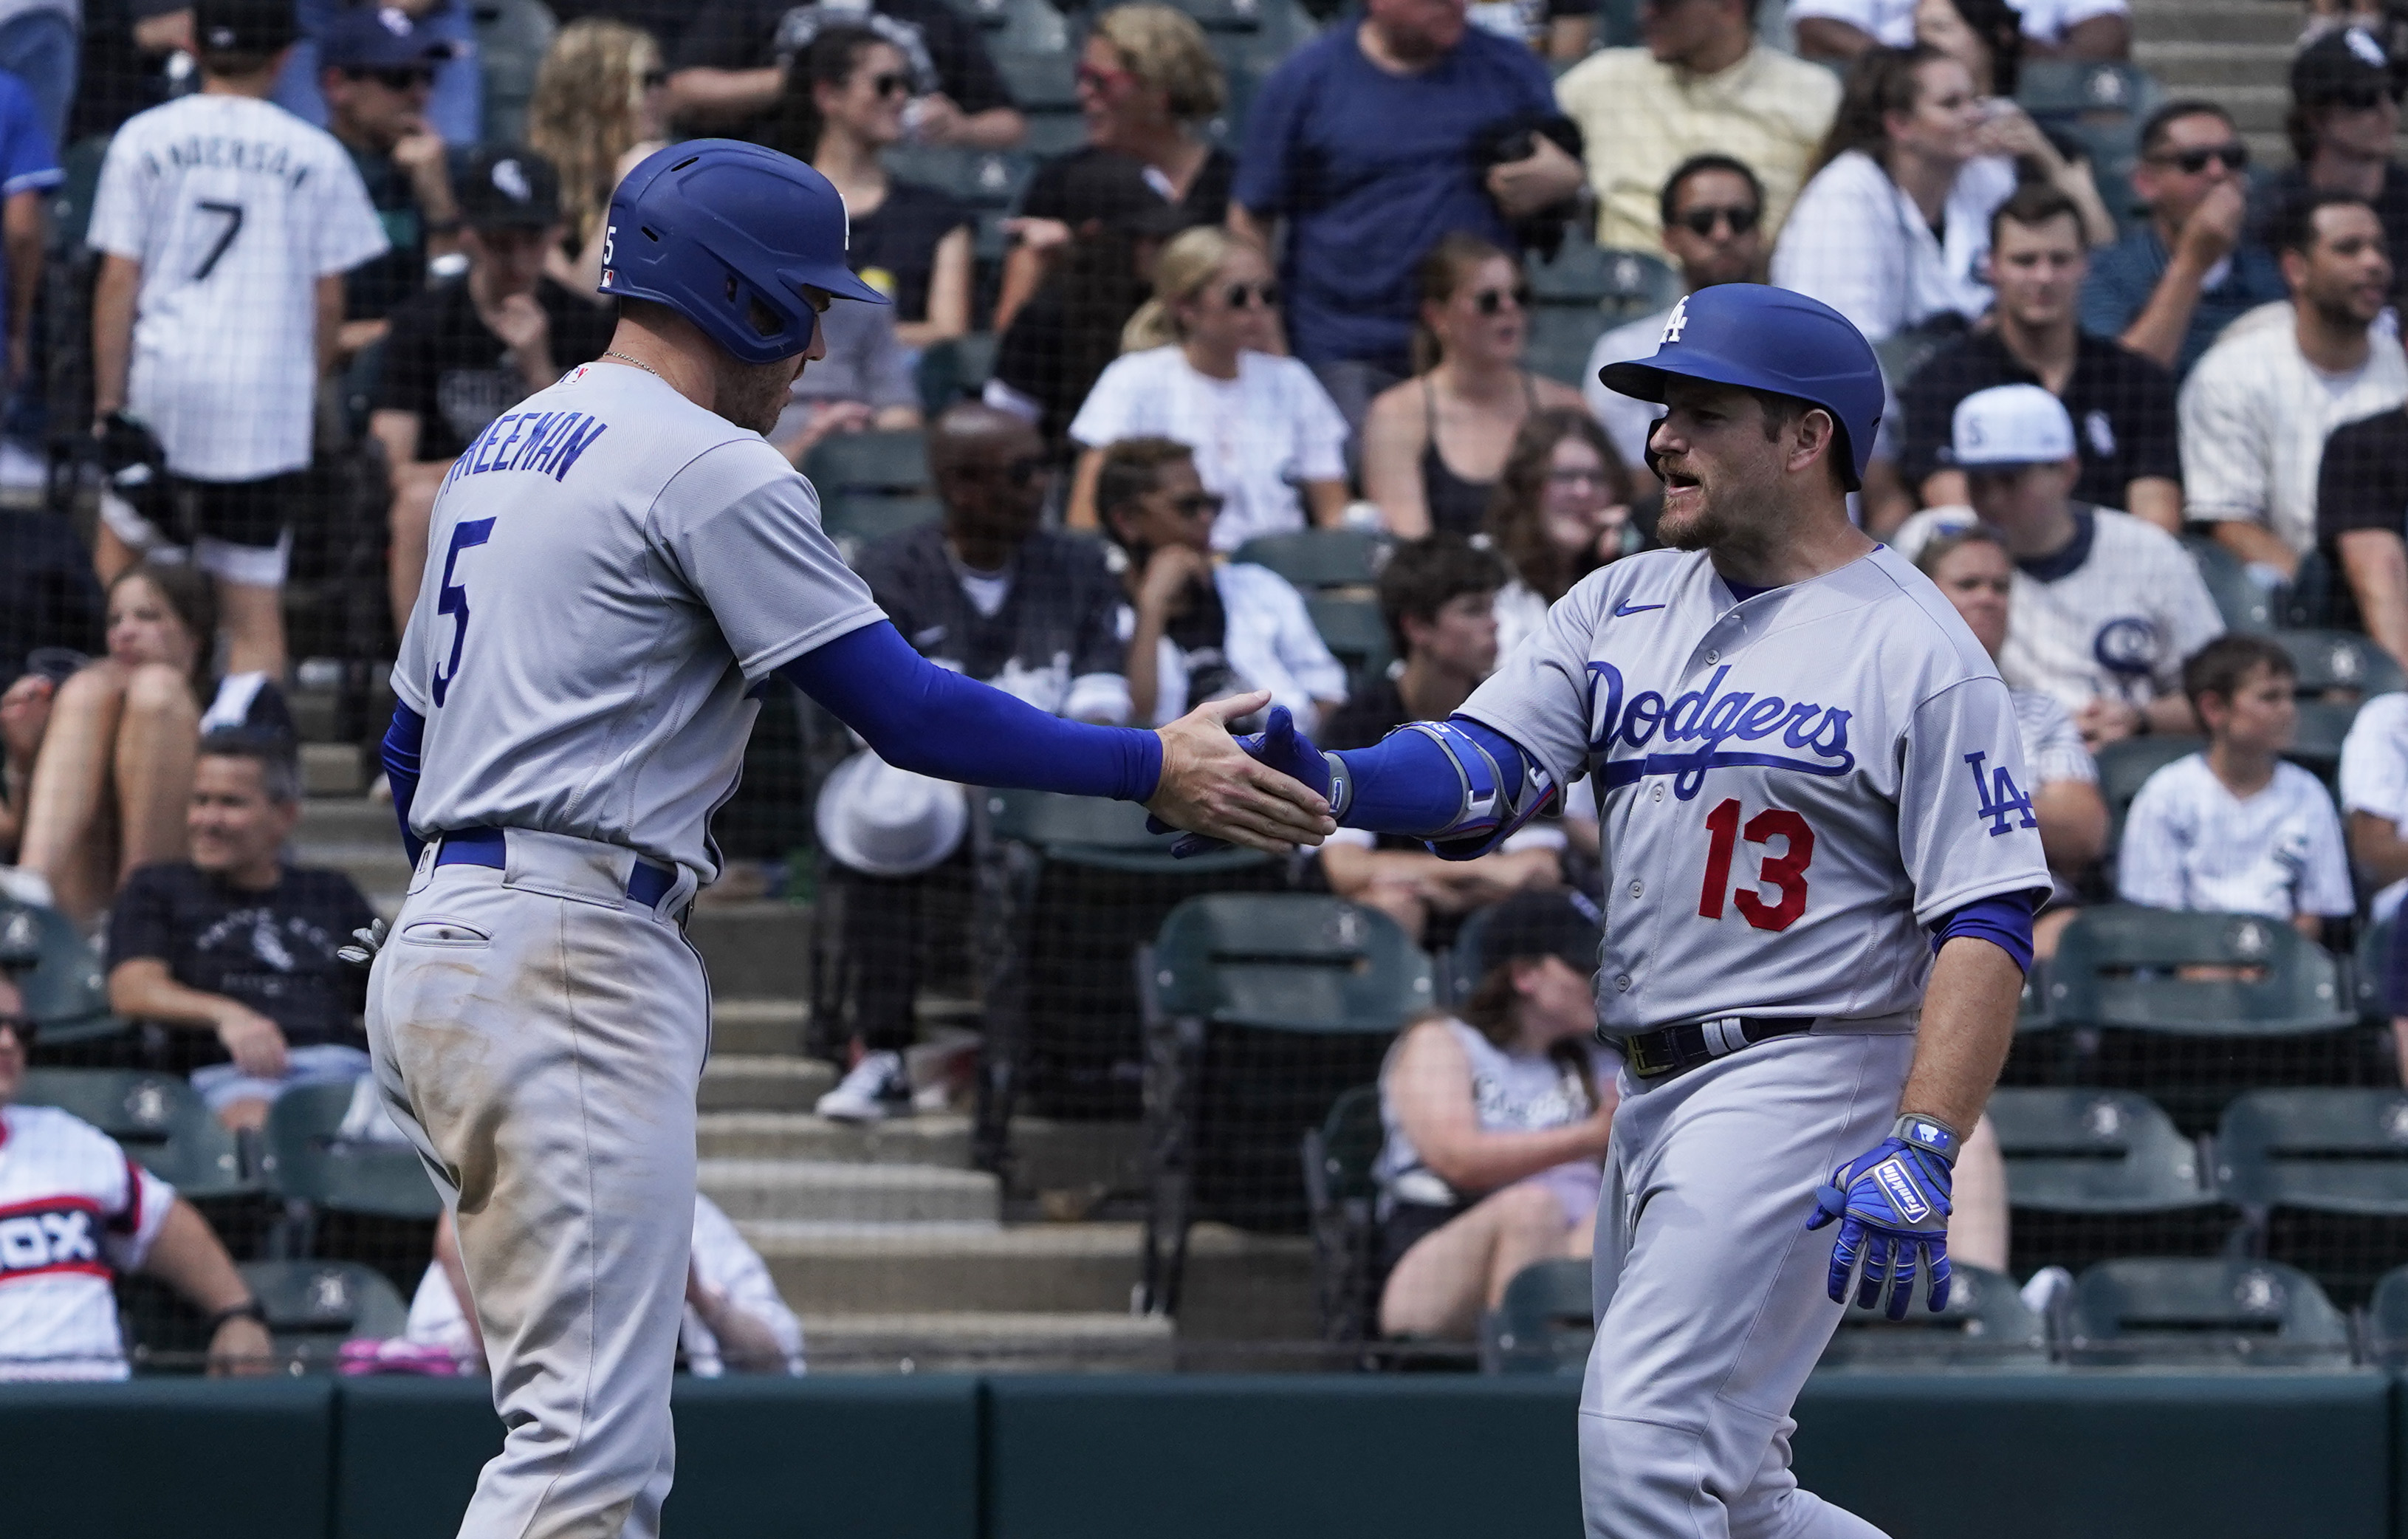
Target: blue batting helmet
727, 234
1760, 338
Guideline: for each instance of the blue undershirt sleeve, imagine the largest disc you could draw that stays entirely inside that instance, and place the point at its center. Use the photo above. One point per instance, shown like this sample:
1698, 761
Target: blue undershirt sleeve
935, 722
2004, 921
1406, 784
399, 751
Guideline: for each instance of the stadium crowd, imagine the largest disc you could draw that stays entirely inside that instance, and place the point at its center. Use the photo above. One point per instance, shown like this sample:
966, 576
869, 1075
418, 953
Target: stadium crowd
1176, 286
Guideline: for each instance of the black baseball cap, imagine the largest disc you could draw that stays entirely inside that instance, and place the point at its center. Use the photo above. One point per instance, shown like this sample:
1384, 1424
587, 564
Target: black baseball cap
1541, 924
506, 186
244, 26
379, 37
2346, 64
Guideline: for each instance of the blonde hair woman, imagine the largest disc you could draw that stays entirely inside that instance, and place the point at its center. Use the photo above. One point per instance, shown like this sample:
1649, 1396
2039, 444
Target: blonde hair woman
1147, 82
598, 107
1197, 368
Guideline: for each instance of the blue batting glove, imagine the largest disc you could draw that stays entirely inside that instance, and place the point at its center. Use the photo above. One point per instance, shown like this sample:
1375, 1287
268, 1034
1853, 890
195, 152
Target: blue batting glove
1281, 746
1892, 1206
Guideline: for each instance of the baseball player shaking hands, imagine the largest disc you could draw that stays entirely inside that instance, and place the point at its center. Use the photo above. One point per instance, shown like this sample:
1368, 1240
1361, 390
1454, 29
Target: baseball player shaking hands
1821, 868
614, 567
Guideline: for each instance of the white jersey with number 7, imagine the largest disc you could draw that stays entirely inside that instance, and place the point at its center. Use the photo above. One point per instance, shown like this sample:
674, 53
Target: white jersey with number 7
1792, 787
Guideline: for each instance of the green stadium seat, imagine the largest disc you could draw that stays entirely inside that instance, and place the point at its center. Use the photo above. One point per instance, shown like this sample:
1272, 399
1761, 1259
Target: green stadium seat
1320, 559
65, 992
1092, 831
313, 1307
70, 201
1339, 1198
160, 1119
1260, 1011
1353, 631
2341, 660
1561, 337
2076, 1151
887, 461
856, 519
2323, 1174
1057, 132
2031, 1006
2368, 964
1544, 1324
2244, 604
954, 368
2315, 746
1986, 1324
308, 1161
2387, 1321
2199, 1312
1618, 284
2121, 966
983, 178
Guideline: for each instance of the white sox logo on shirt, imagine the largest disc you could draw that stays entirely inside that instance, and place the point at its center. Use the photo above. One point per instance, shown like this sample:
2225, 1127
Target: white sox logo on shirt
1815, 735
58, 1234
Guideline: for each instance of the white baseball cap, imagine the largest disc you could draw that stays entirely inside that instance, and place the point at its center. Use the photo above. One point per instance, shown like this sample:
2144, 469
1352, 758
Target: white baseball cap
882, 821
2011, 425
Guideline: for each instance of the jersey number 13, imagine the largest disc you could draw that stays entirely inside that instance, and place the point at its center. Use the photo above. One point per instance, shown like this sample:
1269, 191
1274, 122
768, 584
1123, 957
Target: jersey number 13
1785, 873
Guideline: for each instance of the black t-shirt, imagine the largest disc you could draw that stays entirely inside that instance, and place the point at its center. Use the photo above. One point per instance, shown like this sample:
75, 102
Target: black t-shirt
943, 46
1060, 617
377, 287
1207, 201
443, 365
2122, 406
2363, 483
273, 951
2268, 199
899, 239
49, 597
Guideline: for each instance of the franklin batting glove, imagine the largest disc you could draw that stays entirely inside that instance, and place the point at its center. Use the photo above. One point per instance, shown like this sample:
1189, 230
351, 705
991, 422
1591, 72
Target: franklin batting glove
1281, 747
1892, 1206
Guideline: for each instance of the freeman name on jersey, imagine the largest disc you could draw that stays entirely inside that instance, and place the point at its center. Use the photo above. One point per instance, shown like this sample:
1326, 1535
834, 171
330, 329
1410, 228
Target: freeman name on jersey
547, 442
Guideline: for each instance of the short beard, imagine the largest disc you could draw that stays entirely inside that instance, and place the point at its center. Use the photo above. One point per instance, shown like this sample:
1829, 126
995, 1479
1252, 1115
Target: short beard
1698, 531
753, 395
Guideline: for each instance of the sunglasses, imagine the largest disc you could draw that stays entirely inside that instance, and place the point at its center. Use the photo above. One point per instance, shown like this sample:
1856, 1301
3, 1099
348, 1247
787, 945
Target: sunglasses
896, 84
1490, 301
1197, 505
1240, 295
399, 77
1702, 221
655, 79
2192, 161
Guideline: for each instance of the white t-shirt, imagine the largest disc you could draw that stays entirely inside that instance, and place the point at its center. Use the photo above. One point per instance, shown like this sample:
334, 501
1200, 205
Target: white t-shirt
1891, 23
1858, 243
1270, 643
2119, 624
2375, 777
74, 1209
235, 208
2255, 415
1626, 419
2190, 843
726, 1264
1256, 437
2053, 746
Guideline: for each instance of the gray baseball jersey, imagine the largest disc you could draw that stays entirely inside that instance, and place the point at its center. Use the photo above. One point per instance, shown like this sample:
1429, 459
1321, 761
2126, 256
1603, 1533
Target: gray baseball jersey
1792, 787
610, 569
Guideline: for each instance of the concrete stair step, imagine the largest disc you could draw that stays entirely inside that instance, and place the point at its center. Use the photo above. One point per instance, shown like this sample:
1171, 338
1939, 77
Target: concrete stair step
346, 820
2186, 66
968, 1343
757, 1028
332, 769
2214, 21
752, 1082
834, 1193
1048, 1155
755, 950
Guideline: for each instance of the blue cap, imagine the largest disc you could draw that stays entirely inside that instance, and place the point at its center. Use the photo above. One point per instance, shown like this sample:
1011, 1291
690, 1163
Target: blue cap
379, 37
728, 234
1760, 338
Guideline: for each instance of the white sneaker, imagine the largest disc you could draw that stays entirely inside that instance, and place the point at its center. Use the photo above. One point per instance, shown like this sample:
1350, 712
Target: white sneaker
2045, 1286
877, 1088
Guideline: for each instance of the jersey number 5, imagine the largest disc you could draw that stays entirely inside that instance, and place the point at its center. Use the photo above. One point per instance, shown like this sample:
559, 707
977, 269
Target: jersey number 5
451, 598
1785, 873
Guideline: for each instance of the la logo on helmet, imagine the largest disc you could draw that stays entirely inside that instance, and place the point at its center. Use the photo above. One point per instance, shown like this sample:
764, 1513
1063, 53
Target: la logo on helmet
1675, 321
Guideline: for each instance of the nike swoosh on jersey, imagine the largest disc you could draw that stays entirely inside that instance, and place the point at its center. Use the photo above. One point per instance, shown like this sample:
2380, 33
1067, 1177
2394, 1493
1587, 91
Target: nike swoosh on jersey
1621, 609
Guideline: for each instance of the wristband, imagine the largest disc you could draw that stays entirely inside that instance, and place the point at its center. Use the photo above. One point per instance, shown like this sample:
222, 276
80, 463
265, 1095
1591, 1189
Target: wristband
249, 1309
1929, 1135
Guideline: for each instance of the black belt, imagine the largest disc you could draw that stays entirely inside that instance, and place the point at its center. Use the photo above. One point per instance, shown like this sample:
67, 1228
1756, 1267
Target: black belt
646, 886
1677, 1049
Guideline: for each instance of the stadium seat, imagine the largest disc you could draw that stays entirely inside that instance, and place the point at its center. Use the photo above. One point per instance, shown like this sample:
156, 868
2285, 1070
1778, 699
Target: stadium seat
160, 1119
1561, 337
1353, 631
1339, 1198
1320, 559
2122, 966
2099, 106
2367, 963
512, 37
1040, 81
855, 519
2323, 1175
1618, 284
2232, 1313
1260, 1011
983, 178
2031, 1006
65, 992
1052, 134
2244, 604
954, 368
1544, 1324
2387, 1321
890, 461
2093, 1174
313, 1307
2341, 660
2315, 744
310, 1161
1986, 1324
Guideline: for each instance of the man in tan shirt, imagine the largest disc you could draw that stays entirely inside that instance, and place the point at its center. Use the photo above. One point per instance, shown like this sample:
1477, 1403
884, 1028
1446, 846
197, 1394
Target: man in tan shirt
1700, 83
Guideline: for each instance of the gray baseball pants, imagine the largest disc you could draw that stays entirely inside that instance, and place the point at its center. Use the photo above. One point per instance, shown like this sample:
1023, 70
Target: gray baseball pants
540, 1038
1710, 1295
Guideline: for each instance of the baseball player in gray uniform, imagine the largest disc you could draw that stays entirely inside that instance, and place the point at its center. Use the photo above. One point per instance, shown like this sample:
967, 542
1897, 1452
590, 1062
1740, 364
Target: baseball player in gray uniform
1821, 868
614, 567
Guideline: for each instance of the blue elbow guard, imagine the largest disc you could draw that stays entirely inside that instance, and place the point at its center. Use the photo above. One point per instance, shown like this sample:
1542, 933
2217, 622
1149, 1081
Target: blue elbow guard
1498, 788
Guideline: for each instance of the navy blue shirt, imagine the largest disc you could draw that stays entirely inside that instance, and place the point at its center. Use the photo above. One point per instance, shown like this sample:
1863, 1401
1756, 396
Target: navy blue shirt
1371, 169
2123, 276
